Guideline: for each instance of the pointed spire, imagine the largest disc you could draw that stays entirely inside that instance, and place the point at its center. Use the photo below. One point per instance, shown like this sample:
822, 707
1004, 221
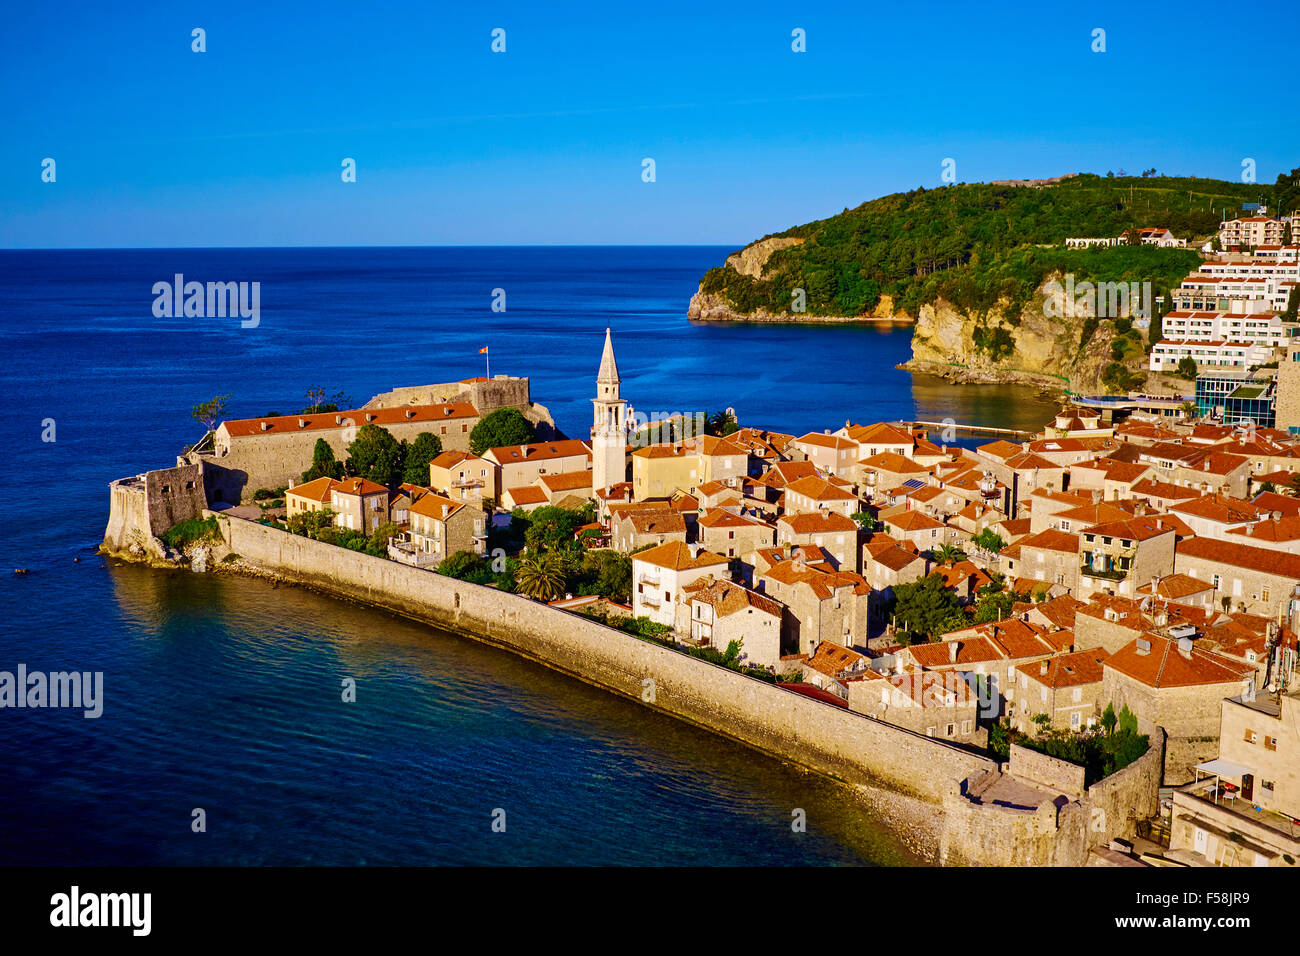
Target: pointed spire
608, 367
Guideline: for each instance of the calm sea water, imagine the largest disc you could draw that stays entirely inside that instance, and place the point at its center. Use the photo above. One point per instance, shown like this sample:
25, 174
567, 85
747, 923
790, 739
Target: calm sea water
223, 694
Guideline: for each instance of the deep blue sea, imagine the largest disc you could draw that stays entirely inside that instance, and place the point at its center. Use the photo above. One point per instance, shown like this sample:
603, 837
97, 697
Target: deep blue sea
223, 694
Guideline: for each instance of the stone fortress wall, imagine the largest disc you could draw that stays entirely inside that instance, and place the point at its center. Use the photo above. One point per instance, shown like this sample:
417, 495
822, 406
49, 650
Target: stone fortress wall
143, 506
1059, 831
277, 460
820, 736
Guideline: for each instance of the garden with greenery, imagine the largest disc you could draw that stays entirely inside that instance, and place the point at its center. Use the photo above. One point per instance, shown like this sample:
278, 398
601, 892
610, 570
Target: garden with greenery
1111, 747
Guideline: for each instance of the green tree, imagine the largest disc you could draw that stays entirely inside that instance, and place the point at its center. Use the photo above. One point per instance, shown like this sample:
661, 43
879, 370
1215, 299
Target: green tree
319, 404
989, 540
1108, 719
376, 455
925, 608
606, 573
426, 447
378, 544
721, 423
541, 576
323, 463
464, 565
211, 413
1127, 721
505, 426
1186, 367
1292, 305
948, 553
865, 519
551, 527
994, 603
310, 524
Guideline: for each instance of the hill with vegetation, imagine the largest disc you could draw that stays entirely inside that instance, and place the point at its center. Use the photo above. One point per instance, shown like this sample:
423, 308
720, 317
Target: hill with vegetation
971, 260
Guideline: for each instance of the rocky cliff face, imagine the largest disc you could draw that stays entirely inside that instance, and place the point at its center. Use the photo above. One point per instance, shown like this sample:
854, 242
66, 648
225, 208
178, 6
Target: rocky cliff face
751, 260
1000, 347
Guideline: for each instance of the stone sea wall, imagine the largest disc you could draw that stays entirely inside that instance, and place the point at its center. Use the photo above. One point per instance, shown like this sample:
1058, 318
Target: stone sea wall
819, 736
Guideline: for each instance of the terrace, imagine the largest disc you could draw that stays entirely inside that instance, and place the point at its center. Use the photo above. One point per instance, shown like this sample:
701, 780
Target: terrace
1222, 793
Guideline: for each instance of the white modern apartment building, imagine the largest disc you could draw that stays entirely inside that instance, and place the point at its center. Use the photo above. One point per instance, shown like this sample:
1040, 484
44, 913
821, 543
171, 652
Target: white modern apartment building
1255, 327
1167, 353
1281, 253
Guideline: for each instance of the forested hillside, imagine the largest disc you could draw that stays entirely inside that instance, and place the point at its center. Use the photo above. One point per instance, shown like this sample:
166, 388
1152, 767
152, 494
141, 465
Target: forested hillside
966, 242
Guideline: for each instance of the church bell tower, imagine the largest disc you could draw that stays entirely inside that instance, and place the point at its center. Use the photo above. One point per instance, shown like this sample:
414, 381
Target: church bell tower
609, 425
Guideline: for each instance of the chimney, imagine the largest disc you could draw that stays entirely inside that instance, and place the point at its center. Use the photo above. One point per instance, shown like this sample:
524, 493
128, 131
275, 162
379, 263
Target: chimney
338, 419
1185, 647
302, 423
371, 416
1143, 647
1042, 669
266, 426
410, 413
953, 648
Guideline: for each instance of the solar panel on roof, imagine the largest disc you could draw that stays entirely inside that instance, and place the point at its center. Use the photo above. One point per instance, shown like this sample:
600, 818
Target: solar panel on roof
914, 484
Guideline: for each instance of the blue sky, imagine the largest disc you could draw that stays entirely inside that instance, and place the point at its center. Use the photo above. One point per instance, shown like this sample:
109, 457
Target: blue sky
156, 145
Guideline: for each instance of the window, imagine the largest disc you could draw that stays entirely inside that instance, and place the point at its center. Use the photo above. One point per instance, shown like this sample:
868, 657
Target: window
1270, 743
1078, 694
965, 726
1266, 785
929, 731
1250, 736
952, 730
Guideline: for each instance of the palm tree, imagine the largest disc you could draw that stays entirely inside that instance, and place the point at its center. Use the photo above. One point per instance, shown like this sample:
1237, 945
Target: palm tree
541, 576
721, 423
948, 553
1189, 410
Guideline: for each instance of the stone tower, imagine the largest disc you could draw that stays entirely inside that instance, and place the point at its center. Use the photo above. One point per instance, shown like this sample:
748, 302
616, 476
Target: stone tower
609, 425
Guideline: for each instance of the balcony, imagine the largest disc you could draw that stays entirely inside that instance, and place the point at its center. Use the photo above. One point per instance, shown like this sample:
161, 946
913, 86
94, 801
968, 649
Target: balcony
1109, 574
403, 550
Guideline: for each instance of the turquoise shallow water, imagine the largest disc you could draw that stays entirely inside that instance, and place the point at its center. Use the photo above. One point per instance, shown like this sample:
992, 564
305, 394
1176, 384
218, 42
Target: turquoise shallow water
223, 693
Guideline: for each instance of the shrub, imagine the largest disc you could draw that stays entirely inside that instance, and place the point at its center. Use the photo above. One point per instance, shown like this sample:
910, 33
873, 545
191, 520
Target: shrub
190, 532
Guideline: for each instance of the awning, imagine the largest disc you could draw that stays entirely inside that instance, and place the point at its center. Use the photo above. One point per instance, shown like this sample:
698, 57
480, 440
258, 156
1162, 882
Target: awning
1223, 768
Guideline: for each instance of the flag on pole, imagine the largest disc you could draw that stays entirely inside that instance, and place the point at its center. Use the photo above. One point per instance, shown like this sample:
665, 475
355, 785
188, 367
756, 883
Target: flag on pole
483, 350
